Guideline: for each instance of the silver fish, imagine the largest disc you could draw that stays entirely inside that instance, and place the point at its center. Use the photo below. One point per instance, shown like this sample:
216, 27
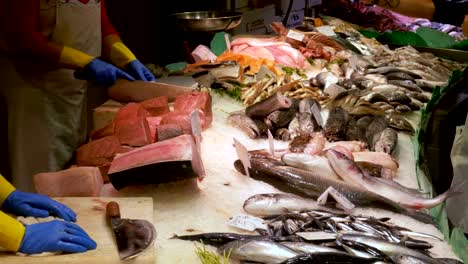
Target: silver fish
429, 85
349, 172
407, 84
390, 249
403, 109
307, 247
377, 78
326, 79
399, 76
356, 252
280, 203
390, 69
315, 163
258, 251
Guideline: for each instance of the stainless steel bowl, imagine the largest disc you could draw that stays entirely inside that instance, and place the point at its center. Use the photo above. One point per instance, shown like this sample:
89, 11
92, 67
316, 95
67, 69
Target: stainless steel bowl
207, 20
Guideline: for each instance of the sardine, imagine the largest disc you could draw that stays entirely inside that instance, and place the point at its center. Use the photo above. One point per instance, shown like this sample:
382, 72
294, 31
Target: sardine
349, 172
390, 249
329, 257
308, 247
335, 129
269, 105
279, 203
399, 76
387, 141
308, 184
258, 251
315, 163
400, 123
407, 84
252, 128
389, 69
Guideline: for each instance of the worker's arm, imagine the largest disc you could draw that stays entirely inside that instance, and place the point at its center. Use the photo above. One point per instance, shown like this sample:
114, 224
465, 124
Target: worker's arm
26, 40
11, 231
116, 51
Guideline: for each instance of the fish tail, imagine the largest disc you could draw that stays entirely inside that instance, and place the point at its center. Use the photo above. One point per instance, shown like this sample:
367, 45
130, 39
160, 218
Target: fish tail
455, 190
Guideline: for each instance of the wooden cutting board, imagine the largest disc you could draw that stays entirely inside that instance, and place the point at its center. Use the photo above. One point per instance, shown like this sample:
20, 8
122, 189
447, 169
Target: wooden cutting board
91, 216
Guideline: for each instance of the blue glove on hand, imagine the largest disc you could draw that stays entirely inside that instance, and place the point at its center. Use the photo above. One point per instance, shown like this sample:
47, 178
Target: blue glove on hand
31, 204
139, 71
102, 72
55, 236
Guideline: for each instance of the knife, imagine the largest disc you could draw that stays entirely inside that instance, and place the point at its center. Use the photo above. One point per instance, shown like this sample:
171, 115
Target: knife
133, 237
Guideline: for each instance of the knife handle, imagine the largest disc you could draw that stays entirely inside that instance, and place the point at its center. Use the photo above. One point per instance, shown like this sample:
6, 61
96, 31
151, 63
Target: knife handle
113, 210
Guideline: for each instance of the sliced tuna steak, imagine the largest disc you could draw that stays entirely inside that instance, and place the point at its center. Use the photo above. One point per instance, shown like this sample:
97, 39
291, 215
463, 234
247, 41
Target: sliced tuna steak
166, 161
130, 111
182, 119
156, 106
73, 182
133, 132
98, 152
193, 101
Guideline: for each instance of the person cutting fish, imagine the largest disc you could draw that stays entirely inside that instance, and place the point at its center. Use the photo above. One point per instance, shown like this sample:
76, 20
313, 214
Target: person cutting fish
63, 236
54, 47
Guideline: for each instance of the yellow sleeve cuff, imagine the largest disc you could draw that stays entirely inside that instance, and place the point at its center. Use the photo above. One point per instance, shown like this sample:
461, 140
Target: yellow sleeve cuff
117, 52
11, 232
74, 59
5, 189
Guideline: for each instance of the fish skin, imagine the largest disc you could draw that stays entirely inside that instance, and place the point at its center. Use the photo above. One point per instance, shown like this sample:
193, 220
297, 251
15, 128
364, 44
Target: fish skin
399, 76
399, 97
269, 105
258, 251
330, 258
307, 184
215, 239
374, 170
390, 69
400, 123
315, 163
355, 132
271, 204
374, 130
349, 172
390, 249
335, 129
304, 247
387, 141
407, 84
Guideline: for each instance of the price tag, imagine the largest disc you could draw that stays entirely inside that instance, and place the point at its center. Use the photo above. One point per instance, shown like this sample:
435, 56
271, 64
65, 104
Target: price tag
326, 30
295, 35
246, 222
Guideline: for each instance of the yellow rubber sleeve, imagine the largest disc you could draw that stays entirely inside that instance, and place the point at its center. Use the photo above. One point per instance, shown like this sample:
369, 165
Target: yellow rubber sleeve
5, 189
11, 232
74, 59
117, 52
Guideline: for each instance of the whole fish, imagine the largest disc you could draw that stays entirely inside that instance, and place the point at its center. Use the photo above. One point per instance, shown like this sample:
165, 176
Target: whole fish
407, 84
390, 249
349, 172
307, 123
398, 97
335, 129
419, 96
390, 69
389, 88
252, 128
258, 251
399, 76
386, 141
308, 184
400, 123
377, 78
315, 163
404, 109
430, 85
280, 203
374, 130
330, 258
308, 247
269, 105
216, 239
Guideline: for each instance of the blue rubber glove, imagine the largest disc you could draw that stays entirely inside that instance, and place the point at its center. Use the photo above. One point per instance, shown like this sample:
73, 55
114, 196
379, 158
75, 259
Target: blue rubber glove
139, 71
55, 236
31, 204
102, 72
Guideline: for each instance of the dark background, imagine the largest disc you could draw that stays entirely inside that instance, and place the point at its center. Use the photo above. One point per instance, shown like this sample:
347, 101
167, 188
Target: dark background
145, 26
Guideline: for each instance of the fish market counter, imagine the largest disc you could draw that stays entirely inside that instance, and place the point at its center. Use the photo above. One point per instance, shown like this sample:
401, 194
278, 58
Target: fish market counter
191, 207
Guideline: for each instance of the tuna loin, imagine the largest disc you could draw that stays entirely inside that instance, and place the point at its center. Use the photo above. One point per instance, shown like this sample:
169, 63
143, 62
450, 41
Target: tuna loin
166, 161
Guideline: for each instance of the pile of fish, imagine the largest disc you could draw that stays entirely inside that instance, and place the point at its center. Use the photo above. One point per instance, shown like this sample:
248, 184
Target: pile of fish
298, 230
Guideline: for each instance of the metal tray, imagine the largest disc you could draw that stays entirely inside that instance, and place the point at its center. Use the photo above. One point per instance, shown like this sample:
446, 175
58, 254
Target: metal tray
207, 20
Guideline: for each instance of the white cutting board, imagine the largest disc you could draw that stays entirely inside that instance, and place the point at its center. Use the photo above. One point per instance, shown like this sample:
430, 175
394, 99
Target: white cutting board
91, 216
